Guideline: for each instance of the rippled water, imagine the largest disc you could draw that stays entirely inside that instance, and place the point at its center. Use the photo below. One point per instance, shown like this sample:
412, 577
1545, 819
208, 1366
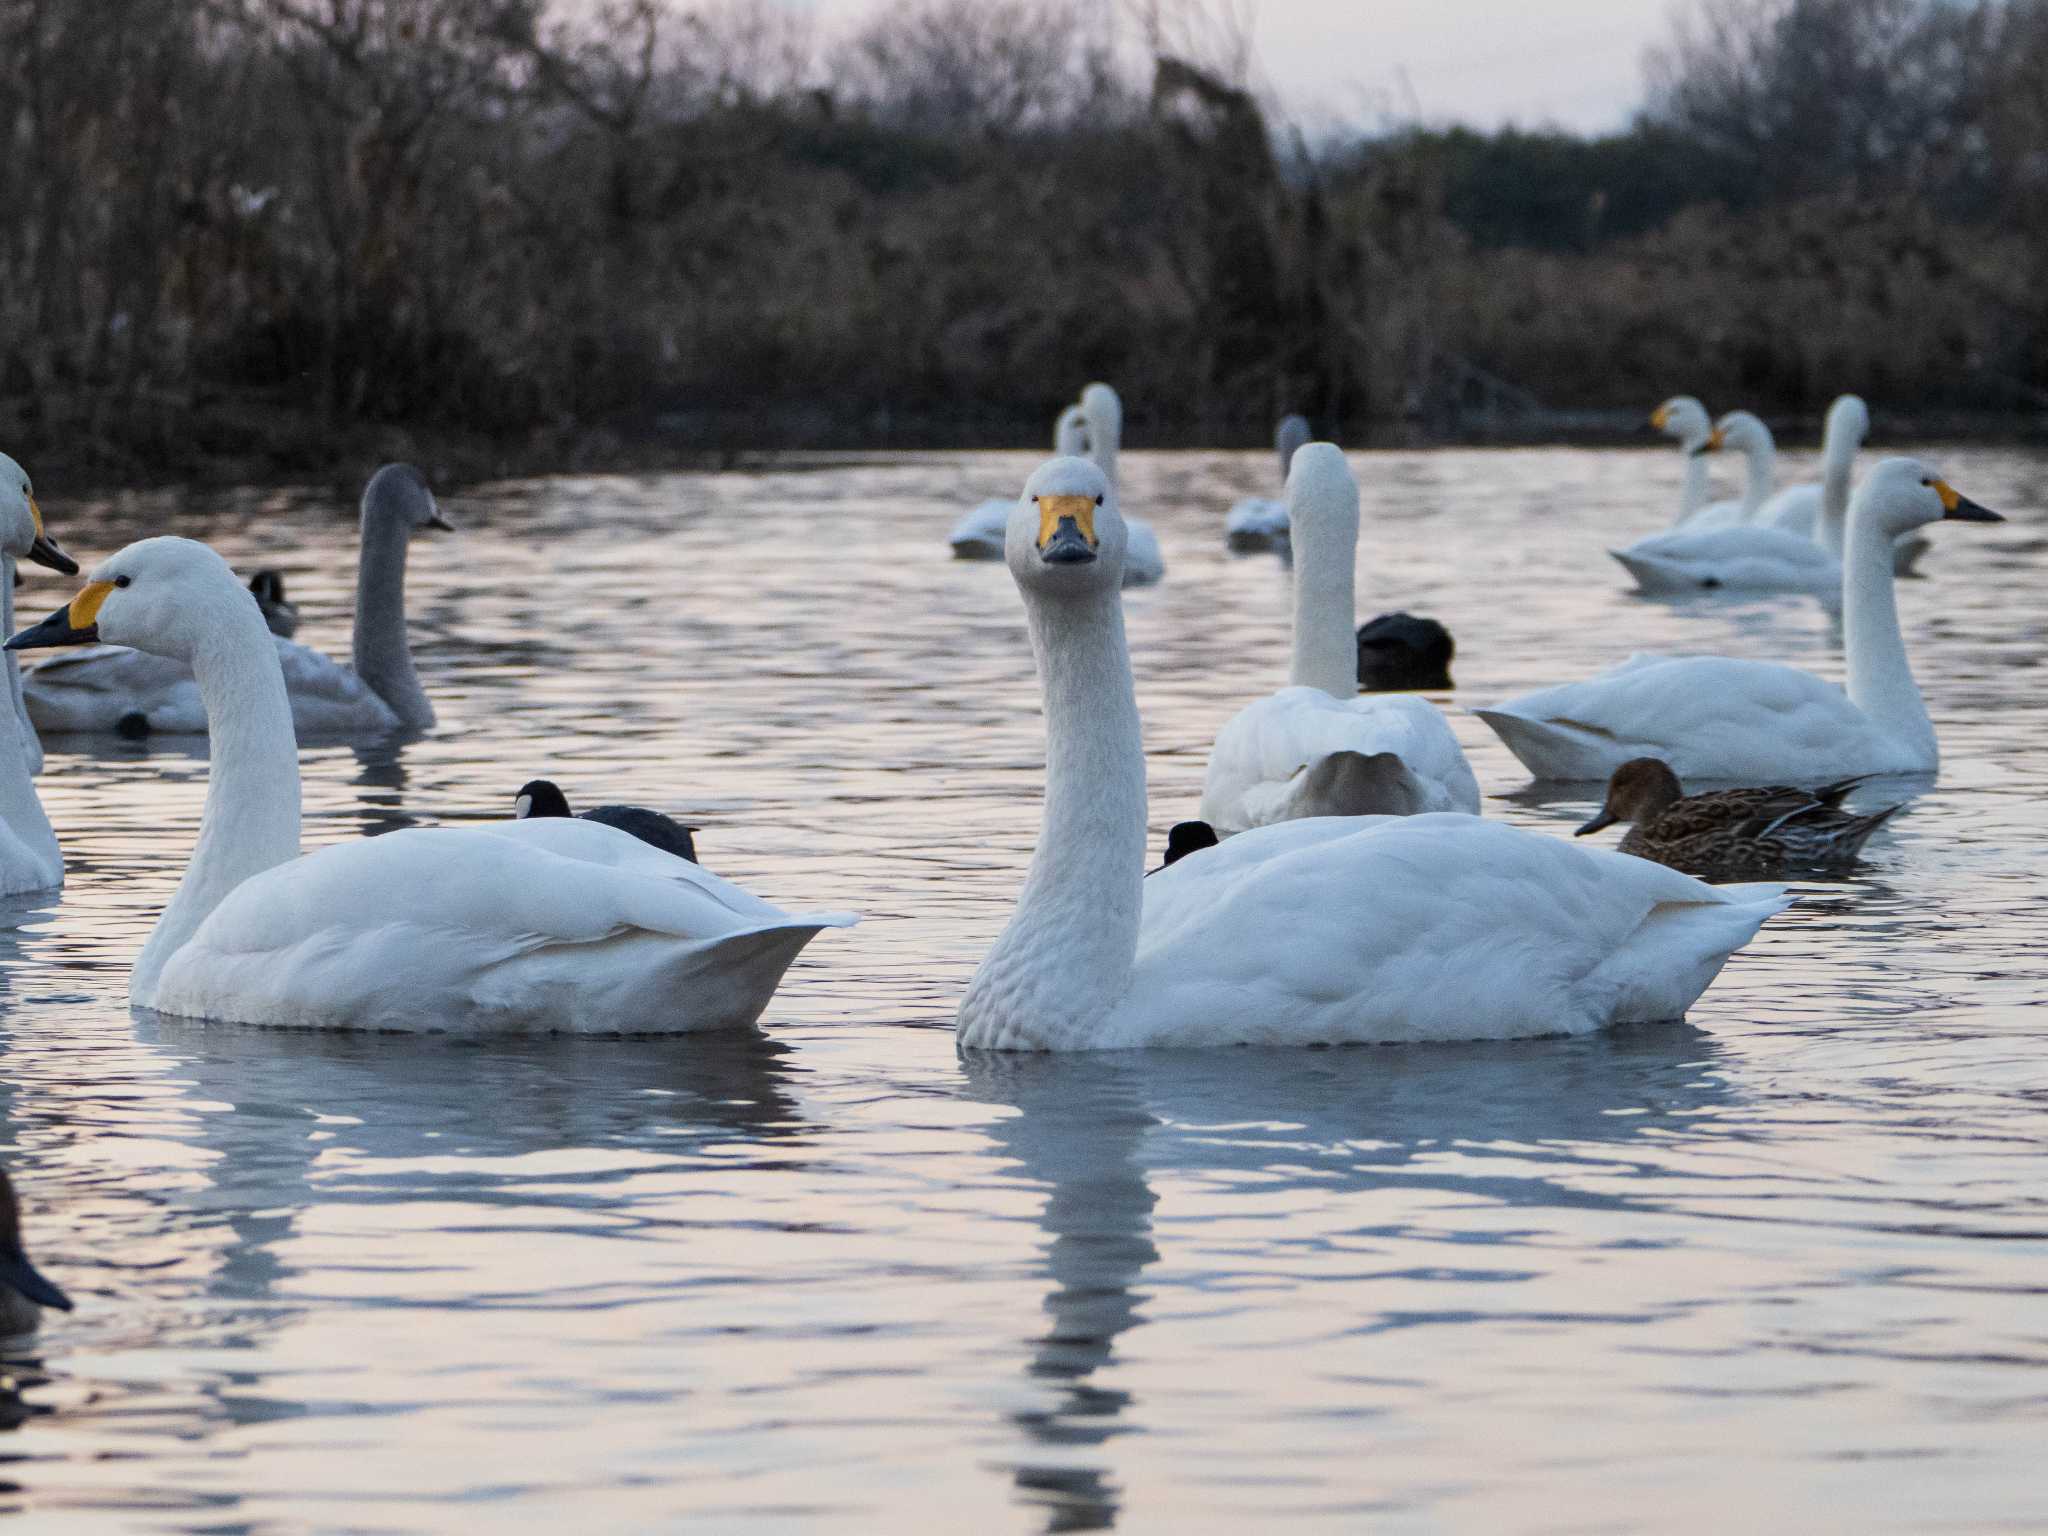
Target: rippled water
1781, 1266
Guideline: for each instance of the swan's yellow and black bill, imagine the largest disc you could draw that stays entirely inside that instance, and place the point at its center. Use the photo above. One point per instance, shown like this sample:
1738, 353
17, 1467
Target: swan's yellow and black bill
1066, 529
1957, 507
45, 550
1660, 417
1716, 439
76, 623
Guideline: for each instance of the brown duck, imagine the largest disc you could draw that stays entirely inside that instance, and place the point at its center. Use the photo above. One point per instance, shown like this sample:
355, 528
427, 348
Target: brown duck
1734, 834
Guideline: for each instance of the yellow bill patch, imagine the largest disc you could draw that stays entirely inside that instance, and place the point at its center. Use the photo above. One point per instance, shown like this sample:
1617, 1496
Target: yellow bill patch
1949, 495
1717, 439
35, 514
1052, 508
85, 608
1660, 416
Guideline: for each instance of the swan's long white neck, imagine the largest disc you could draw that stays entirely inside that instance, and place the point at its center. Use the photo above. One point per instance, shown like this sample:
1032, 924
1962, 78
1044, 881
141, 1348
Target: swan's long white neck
1692, 494
251, 819
1763, 474
383, 655
1880, 677
1325, 561
1838, 462
19, 807
1105, 436
1065, 959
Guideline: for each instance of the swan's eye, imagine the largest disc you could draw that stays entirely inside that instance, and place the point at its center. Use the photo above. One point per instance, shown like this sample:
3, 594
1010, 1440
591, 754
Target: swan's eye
122, 581
1926, 482
1098, 501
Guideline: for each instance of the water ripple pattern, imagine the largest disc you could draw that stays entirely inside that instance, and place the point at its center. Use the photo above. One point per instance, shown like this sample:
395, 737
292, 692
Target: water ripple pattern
1778, 1267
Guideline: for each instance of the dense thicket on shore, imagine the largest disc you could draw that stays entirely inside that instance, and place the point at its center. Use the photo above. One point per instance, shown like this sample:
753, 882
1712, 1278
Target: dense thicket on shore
259, 230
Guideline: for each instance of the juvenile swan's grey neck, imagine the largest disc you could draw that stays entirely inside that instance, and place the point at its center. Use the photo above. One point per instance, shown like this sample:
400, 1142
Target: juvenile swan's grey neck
383, 655
1880, 677
1064, 962
251, 819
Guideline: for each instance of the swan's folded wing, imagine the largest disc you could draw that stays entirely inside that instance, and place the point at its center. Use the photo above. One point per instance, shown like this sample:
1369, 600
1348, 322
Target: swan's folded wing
1422, 928
93, 688
1654, 705
983, 529
1266, 757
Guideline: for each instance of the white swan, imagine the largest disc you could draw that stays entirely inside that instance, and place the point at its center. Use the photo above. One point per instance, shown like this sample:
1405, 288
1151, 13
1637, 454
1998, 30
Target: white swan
1260, 522
1336, 929
979, 535
1684, 419
1711, 717
1747, 432
30, 859
550, 924
1316, 748
1820, 512
133, 693
1104, 412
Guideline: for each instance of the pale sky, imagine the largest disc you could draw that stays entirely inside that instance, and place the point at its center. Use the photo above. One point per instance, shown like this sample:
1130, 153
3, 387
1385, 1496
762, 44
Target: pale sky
1576, 63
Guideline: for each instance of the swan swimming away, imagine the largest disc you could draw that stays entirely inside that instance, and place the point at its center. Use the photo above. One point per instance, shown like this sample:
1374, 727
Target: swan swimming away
1324, 931
1260, 522
1713, 717
136, 694
979, 535
543, 797
30, 859
24, 1291
546, 925
1315, 748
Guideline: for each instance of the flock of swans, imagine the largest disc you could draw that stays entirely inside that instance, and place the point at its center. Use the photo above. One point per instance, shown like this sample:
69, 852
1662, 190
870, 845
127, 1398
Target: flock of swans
1314, 796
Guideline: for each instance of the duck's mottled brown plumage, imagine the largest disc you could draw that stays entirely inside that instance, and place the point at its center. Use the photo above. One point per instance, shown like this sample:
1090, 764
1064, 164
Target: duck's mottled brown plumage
1734, 834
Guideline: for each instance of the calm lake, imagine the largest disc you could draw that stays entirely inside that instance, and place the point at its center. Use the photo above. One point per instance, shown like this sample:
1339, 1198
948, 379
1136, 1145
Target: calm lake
1781, 1266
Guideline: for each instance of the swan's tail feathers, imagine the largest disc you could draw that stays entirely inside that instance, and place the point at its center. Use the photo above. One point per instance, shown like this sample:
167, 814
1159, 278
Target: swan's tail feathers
1560, 750
1662, 576
1907, 553
973, 547
1679, 948
1359, 784
728, 982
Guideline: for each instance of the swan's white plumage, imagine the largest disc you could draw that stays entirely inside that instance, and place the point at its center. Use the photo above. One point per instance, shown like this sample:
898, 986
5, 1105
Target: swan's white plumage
1317, 748
30, 859
551, 924
1747, 432
1716, 717
1317, 931
1743, 558
548, 924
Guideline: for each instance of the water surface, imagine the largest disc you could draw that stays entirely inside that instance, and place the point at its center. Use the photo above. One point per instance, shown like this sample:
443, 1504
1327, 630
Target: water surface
1780, 1266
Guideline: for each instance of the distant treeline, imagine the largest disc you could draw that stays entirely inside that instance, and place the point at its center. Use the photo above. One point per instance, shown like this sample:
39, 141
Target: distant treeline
273, 233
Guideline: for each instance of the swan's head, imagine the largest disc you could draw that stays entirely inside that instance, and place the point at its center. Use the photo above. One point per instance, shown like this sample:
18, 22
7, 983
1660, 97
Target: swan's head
16, 1273
21, 522
1641, 788
1740, 430
1899, 495
1849, 420
162, 595
1684, 418
1065, 535
539, 797
1288, 437
1070, 433
1321, 490
1104, 413
398, 494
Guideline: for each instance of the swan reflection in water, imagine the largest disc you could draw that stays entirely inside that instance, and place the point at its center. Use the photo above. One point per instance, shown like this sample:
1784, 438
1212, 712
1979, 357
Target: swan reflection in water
1103, 1133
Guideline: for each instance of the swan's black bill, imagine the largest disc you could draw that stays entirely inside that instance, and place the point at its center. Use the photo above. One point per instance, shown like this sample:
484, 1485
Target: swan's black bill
1604, 819
46, 551
439, 519
1067, 546
1967, 511
18, 1274
55, 630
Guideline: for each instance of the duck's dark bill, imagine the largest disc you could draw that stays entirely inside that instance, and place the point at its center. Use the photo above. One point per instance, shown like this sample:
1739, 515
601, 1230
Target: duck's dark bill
1967, 511
22, 1276
46, 551
1604, 819
55, 630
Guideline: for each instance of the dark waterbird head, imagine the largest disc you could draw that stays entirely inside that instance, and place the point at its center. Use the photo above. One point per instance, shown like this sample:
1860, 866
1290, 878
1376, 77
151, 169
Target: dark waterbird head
1641, 788
539, 797
1398, 652
1186, 837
